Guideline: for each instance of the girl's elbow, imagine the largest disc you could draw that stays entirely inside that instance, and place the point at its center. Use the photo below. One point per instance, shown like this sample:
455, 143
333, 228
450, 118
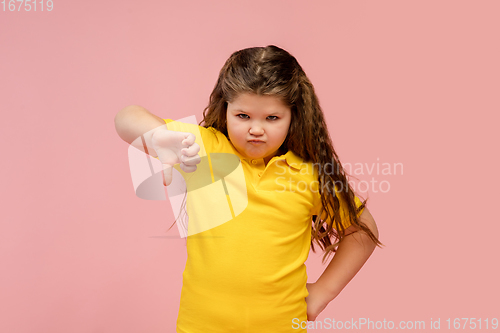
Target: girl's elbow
367, 218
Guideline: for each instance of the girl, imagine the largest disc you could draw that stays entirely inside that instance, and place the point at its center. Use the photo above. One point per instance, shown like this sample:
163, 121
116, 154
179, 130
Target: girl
248, 274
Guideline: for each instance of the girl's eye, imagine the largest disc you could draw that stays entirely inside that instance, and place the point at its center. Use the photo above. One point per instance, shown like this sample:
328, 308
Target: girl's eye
245, 116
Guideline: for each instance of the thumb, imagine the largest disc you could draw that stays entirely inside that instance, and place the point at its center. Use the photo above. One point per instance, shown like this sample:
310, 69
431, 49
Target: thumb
168, 159
167, 174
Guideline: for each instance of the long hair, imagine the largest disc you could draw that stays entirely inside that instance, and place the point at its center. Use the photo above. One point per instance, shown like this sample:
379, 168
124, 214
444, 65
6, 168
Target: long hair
273, 71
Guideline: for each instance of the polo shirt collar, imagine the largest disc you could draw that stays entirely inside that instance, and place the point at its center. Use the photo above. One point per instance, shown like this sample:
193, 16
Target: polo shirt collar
291, 159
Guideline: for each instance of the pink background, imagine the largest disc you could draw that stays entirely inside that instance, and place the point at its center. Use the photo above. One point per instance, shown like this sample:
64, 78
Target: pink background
411, 82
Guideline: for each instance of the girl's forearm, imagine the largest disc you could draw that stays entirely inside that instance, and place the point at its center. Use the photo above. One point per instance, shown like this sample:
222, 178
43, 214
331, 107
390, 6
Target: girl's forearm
352, 253
134, 121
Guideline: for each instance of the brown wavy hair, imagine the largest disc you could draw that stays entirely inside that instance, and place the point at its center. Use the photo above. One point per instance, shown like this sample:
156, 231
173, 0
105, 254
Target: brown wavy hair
273, 71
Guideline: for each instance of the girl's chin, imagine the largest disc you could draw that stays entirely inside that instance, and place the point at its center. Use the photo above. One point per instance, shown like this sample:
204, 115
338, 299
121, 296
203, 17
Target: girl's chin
255, 156
254, 152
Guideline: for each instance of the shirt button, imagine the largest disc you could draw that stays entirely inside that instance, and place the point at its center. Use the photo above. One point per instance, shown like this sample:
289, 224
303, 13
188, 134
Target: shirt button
254, 161
260, 174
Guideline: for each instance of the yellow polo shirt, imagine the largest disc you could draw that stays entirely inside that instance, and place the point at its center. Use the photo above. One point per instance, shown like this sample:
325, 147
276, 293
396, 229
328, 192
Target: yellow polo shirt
249, 235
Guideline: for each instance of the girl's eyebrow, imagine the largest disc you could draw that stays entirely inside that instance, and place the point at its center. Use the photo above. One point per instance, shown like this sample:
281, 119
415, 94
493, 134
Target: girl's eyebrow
272, 113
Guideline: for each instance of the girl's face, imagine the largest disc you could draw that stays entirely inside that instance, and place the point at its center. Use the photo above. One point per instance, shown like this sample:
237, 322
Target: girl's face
257, 125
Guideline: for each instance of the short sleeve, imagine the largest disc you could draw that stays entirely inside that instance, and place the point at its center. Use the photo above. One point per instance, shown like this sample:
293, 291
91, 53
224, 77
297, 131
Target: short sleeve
204, 141
209, 139
343, 210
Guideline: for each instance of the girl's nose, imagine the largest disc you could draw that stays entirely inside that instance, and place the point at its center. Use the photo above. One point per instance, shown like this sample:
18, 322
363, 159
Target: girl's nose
256, 130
